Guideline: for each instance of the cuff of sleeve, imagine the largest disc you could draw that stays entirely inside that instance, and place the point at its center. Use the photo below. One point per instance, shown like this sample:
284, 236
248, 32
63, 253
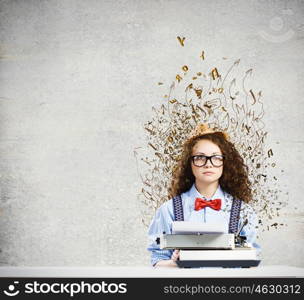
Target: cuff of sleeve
158, 255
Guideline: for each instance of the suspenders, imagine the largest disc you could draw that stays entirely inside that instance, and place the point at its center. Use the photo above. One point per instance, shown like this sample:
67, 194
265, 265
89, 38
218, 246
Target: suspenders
178, 208
234, 214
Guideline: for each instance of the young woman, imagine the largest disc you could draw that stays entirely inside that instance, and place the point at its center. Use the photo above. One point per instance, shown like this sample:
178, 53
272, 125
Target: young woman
210, 168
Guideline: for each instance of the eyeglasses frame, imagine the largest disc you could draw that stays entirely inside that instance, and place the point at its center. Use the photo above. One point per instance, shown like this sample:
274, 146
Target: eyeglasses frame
207, 158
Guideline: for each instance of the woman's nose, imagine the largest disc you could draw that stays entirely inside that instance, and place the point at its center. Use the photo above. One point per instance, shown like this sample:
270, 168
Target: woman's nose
208, 164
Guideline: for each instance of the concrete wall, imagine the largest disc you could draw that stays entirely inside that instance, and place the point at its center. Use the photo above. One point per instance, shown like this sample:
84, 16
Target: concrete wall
78, 81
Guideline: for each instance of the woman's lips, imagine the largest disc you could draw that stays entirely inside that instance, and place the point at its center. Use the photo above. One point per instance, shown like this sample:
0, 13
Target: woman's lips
208, 173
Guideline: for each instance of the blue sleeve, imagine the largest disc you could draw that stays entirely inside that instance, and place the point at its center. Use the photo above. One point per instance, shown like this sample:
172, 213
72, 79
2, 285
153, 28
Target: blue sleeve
161, 223
249, 230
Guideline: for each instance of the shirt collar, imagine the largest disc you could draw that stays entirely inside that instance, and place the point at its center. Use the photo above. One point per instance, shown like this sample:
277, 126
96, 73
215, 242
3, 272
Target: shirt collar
194, 193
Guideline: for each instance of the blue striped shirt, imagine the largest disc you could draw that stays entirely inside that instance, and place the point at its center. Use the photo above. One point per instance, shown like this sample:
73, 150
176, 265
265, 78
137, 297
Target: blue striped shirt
164, 216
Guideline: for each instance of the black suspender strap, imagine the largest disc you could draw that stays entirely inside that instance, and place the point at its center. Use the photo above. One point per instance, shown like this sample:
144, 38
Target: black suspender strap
178, 208
235, 215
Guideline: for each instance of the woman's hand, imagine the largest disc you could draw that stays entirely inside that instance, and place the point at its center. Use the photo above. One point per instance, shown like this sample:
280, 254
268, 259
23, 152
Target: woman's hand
169, 262
175, 255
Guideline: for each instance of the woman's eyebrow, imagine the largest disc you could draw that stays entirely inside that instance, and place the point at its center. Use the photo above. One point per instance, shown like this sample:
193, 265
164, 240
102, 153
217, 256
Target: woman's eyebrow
205, 154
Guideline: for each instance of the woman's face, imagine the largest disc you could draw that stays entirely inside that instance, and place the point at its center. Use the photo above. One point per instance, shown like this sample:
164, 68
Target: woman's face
208, 148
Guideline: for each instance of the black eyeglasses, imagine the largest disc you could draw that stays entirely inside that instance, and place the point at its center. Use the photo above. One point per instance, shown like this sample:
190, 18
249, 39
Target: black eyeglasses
201, 160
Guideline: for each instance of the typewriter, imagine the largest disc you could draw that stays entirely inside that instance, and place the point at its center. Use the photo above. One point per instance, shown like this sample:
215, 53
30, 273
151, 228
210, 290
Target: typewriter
208, 245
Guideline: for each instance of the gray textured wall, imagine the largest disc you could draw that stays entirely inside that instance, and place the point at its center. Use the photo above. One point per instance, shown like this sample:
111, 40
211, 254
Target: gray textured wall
78, 80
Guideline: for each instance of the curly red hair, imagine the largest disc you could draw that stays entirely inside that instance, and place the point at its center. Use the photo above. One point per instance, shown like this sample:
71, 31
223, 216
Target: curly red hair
234, 179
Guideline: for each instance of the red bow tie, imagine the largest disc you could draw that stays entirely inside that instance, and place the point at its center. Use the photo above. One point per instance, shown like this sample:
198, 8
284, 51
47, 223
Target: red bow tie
202, 203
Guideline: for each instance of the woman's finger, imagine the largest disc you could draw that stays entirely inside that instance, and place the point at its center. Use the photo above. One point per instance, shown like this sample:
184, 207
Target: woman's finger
175, 255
